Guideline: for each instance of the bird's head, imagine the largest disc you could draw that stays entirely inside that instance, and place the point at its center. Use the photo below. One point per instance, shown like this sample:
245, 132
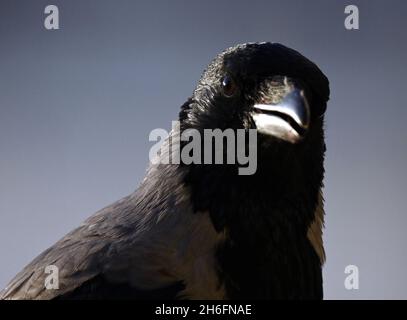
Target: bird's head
263, 86
282, 94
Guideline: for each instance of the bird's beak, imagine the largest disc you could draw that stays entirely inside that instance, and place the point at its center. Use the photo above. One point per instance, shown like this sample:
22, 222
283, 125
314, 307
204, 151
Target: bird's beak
287, 120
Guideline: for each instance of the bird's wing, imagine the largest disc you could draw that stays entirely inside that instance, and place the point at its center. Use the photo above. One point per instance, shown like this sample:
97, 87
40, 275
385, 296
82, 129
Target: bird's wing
149, 244
79, 257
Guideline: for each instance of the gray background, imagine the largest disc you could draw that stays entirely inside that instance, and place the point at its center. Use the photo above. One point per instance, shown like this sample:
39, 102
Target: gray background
77, 105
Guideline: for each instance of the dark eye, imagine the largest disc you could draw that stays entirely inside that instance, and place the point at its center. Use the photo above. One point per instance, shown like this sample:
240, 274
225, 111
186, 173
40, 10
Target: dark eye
229, 86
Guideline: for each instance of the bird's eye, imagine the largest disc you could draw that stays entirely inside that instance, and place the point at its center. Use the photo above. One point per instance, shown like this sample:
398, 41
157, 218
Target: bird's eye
229, 86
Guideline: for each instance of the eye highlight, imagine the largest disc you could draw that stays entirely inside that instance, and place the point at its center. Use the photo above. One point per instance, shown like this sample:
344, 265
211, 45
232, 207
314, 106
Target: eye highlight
229, 86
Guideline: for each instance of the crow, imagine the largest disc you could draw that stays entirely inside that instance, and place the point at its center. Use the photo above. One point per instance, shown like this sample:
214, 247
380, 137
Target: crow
202, 231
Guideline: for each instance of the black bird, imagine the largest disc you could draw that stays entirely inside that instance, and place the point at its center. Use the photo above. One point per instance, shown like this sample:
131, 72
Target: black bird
202, 231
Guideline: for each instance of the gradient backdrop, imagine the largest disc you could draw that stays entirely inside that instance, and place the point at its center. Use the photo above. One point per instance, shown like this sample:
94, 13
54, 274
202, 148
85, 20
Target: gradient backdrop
77, 105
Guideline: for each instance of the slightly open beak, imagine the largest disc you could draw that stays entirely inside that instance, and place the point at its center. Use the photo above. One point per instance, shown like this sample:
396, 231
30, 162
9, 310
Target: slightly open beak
288, 120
